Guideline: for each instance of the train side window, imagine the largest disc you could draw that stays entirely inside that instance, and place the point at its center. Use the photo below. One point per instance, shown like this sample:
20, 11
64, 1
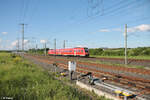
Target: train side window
82, 51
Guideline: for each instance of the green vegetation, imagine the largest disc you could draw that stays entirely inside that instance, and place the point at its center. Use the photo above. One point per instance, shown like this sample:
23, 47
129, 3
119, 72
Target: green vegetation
129, 57
22, 80
137, 53
37, 51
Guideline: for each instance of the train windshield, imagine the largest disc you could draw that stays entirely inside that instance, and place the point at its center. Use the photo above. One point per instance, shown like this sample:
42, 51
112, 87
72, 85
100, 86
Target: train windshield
86, 49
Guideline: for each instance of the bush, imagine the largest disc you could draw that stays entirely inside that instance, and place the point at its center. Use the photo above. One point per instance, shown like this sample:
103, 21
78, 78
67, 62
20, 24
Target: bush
13, 55
140, 51
17, 60
113, 53
146, 52
98, 51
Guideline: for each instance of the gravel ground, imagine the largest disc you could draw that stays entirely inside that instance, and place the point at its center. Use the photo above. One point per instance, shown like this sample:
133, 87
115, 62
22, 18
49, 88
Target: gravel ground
111, 70
135, 62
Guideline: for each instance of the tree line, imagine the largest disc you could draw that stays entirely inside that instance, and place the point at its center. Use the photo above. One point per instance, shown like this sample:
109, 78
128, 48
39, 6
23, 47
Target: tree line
140, 51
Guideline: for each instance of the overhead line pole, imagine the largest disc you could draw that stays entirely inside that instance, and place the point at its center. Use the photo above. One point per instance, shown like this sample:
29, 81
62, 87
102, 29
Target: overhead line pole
45, 48
126, 62
18, 44
23, 36
55, 46
64, 44
36, 48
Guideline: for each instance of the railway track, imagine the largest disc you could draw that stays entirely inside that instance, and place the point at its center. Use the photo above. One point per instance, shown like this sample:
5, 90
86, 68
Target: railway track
135, 62
130, 78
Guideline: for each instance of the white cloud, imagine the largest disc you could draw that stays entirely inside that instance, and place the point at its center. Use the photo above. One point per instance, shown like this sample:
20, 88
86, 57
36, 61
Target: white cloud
104, 30
117, 29
4, 33
140, 28
0, 40
43, 41
14, 43
26, 41
81, 46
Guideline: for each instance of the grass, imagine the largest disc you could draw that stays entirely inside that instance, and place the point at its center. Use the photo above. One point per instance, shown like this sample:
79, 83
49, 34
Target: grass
130, 57
22, 80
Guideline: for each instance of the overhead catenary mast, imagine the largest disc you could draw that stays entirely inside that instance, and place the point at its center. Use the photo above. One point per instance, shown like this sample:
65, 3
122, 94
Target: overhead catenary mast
64, 44
23, 36
18, 44
55, 46
126, 62
45, 48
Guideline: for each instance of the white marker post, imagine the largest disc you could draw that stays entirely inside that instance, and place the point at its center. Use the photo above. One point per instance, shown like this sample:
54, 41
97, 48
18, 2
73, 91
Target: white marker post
71, 68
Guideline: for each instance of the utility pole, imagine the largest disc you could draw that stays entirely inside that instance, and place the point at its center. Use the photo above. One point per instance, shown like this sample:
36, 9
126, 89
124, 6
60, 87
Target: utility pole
18, 44
64, 44
36, 48
23, 36
45, 48
55, 47
126, 62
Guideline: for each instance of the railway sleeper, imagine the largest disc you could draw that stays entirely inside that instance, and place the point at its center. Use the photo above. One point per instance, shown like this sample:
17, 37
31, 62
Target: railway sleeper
140, 86
116, 80
147, 88
118, 76
131, 84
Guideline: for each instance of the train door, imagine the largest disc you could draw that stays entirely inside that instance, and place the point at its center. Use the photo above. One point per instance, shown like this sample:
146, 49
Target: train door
75, 52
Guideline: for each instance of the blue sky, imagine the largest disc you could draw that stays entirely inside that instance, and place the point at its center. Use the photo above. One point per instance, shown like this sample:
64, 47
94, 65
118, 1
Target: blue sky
90, 23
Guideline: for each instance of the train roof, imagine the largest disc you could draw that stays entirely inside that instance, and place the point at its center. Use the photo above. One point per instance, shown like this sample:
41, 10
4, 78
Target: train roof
71, 48
80, 47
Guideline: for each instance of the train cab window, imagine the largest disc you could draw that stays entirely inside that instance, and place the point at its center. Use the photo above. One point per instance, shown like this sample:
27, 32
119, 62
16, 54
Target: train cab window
86, 50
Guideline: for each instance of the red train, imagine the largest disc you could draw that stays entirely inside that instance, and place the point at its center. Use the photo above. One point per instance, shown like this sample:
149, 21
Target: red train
78, 51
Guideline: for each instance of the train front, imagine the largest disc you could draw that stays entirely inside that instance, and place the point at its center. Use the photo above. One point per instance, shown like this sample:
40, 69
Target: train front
86, 52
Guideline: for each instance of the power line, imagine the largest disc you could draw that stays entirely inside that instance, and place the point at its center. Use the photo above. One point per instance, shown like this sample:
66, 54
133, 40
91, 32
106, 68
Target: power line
122, 4
24, 10
120, 7
26, 6
128, 8
95, 7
